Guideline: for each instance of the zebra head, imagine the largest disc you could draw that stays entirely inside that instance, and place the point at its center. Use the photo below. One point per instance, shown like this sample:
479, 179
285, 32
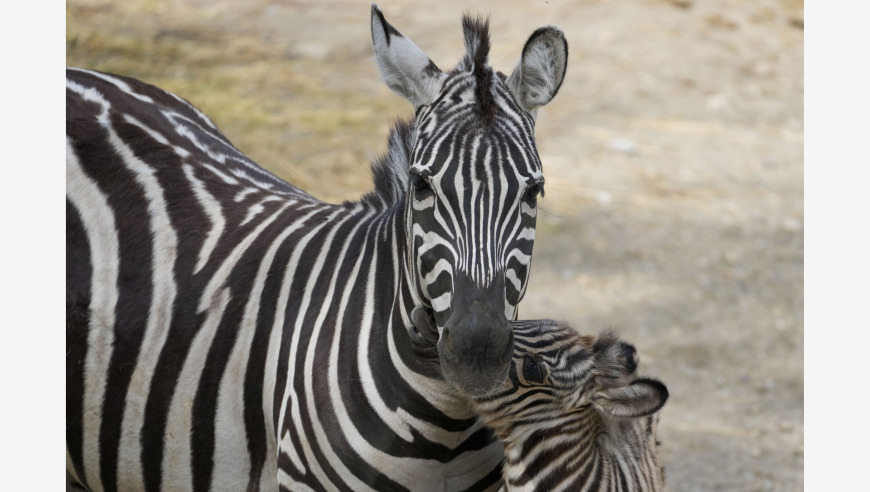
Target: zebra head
556, 371
473, 182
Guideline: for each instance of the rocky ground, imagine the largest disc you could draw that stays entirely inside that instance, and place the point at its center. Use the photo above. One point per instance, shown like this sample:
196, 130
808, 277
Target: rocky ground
673, 156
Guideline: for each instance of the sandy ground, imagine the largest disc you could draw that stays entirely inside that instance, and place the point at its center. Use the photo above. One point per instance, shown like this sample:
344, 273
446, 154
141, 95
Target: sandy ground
673, 156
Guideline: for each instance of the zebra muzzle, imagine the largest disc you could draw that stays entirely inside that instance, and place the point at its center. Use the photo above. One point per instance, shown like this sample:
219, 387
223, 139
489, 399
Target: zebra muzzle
476, 343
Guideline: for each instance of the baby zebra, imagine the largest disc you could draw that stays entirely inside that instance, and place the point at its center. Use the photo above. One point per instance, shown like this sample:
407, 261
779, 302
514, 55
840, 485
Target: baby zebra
573, 415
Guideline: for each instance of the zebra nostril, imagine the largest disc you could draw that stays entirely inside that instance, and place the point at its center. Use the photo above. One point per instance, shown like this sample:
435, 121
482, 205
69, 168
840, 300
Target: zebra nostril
423, 321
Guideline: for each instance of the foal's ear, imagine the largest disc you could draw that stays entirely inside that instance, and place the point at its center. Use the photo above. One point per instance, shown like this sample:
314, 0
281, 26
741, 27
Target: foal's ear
640, 398
404, 67
541, 70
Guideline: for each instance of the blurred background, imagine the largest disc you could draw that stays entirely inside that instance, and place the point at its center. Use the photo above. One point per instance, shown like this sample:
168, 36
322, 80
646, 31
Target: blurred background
673, 156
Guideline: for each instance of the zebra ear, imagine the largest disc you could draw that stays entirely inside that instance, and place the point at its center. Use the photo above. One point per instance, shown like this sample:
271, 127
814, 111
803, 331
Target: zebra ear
541, 70
404, 67
640, 398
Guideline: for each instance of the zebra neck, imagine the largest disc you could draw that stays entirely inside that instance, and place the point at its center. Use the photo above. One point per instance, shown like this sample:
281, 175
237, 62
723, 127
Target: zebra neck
424, 373
580, 451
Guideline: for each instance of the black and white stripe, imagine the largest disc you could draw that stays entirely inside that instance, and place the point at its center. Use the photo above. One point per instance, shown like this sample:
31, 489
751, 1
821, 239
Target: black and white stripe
227, 331
573, 415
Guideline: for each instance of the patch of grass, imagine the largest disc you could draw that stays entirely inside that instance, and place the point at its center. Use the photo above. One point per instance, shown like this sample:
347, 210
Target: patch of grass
299, 118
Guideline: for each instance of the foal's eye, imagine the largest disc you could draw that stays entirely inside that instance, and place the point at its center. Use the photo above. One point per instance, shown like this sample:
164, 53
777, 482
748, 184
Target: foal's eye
420, 185
532, 371
533, 191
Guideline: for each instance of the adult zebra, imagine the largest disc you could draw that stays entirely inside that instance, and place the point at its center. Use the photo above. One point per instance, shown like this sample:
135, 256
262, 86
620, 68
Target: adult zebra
227, 331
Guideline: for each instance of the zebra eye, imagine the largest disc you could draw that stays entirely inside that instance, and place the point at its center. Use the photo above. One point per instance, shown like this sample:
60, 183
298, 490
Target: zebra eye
420, 185
532, 371
534, 190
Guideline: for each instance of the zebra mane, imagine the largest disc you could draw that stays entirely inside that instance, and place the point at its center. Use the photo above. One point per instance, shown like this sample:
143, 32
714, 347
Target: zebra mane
476, 31
390, 170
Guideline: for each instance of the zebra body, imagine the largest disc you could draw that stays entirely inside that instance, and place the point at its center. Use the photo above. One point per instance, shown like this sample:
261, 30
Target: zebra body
228, 331
573, 415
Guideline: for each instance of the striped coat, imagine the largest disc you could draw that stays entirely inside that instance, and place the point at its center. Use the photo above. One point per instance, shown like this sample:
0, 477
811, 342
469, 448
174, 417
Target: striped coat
573, 415
227, 331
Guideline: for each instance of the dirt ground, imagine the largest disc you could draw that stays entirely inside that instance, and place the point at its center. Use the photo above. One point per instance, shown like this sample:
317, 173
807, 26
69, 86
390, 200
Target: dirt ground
673, 156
